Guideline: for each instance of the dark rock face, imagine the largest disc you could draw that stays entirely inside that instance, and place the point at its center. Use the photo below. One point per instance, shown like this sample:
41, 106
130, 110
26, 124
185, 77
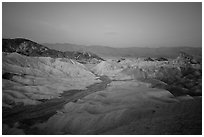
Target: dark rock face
7, 76
30, 48
161, 59
84, 57
148, 59
121, 59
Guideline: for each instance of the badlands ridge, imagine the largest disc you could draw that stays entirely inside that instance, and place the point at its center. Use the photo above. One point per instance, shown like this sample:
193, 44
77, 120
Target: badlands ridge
113, 96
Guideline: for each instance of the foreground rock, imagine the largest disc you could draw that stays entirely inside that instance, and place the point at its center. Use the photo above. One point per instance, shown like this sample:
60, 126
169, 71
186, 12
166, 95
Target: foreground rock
28, 80
127, 108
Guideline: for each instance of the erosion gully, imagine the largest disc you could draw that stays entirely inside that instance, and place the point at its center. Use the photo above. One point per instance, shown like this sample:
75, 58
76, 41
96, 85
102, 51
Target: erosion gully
26, 116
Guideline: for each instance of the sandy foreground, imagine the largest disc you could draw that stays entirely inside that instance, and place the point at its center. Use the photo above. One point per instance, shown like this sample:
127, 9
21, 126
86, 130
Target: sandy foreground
128, 107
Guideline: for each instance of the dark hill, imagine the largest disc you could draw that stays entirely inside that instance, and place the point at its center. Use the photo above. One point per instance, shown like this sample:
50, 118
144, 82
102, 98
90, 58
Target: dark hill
30, 48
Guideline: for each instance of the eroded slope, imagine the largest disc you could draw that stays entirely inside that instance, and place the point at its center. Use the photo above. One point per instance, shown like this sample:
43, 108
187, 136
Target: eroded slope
117, 109
27, 80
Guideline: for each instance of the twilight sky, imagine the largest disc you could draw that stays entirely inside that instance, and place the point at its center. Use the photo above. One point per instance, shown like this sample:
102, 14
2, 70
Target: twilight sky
108, 24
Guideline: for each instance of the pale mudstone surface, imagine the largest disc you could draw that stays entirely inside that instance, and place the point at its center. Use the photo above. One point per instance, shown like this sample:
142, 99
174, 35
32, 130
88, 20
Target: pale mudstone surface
113, 110
33, 78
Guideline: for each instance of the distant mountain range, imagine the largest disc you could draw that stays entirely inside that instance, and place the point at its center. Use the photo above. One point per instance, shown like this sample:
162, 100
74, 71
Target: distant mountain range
30, 48
103, 51
89, 53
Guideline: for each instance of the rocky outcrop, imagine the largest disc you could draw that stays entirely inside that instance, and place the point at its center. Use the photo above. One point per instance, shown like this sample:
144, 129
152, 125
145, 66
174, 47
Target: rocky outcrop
85, 57
183, 74
148, 59
185, 59
180, 76
109, 68
161, 59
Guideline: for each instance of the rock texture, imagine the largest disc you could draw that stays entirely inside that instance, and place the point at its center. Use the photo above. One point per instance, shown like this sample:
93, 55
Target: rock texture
182, 75
27, 80
126, 108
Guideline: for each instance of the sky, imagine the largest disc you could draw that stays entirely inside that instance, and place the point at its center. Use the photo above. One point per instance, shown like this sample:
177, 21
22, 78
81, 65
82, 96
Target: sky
109, 24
